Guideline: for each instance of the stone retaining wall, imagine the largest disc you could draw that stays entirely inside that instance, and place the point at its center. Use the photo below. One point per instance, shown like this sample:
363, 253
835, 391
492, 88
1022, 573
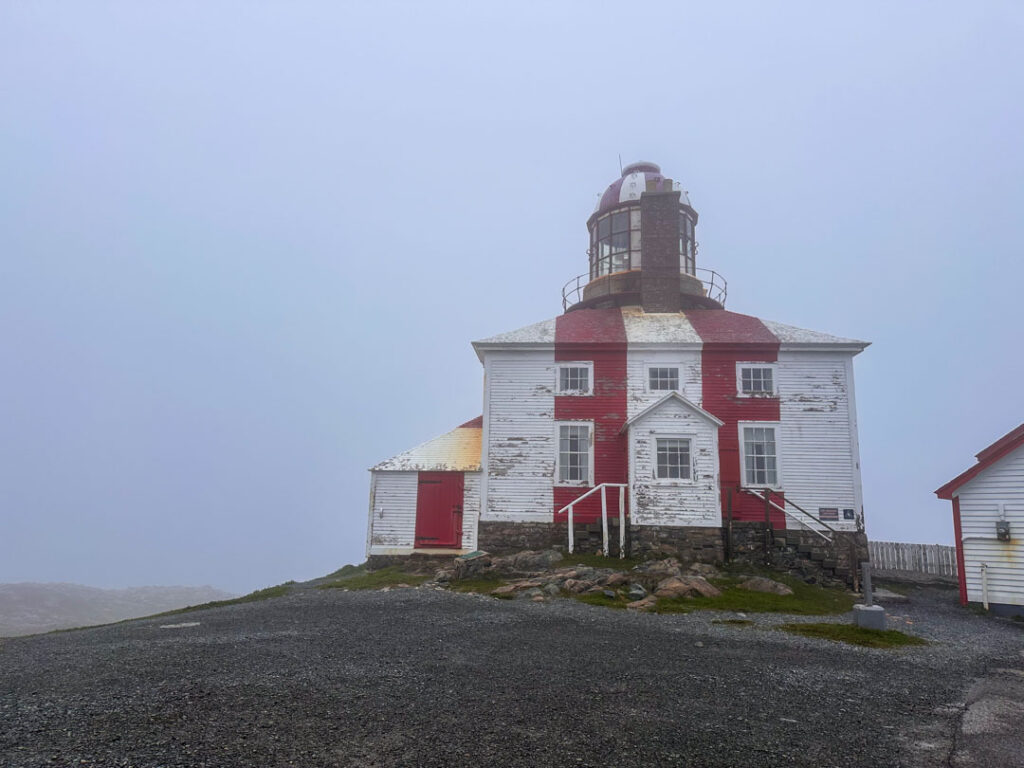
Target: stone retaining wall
689, 544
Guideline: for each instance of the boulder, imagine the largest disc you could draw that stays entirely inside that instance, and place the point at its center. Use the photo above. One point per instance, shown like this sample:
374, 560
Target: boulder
469, 565
636, 592
536, 561
761, 584
444, 575
576, 586
686, 586
649, 603
552, 589
504, 590
616, 579
706, 570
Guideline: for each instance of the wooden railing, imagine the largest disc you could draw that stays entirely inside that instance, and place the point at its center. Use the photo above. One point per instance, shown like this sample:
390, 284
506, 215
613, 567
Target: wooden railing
933, 559
603, 488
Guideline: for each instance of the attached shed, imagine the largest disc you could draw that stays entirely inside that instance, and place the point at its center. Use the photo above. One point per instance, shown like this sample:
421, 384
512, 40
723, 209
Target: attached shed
427, 499
988, 521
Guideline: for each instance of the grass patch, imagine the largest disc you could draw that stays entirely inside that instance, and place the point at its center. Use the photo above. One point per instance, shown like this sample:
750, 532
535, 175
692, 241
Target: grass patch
806, 600
599, 561
733, 622
252, 597
385, 577
602, 600
849, 633
347, 570
483, 586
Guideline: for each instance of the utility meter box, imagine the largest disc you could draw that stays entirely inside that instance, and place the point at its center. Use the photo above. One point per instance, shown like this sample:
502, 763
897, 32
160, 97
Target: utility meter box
1003, 530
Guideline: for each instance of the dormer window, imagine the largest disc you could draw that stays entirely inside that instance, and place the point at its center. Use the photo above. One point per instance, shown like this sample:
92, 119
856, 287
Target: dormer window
756, 380
663, 378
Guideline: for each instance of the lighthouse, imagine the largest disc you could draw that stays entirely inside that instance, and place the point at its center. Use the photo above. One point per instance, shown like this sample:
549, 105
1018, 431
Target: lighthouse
645, 418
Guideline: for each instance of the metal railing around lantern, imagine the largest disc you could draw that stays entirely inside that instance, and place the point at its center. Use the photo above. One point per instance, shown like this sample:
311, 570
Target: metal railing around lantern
715, 286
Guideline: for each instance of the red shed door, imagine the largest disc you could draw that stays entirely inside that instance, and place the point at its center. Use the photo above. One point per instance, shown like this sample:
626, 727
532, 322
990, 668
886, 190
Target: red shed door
439, 510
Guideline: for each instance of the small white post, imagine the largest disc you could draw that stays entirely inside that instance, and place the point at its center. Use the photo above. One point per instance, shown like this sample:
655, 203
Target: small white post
604, 517
622, 521
570, 530
984, 585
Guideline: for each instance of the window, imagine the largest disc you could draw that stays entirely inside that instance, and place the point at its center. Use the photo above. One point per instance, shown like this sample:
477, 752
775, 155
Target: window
755, 380
615, 243
574, 379
575, 454
673, 459
687, 246
662, 378
760, 459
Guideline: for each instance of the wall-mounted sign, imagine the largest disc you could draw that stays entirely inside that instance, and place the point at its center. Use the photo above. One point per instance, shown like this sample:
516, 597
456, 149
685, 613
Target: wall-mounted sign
828, 513
848, 514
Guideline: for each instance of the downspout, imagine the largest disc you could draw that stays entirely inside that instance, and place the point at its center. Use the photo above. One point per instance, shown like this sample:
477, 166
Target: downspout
984, 585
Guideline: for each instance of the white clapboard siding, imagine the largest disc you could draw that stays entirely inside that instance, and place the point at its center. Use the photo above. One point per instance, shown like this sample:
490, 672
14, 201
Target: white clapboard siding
816, 443
930, 559
519, 435
996, 493
659, 502
470, 509
637, 361
393, 512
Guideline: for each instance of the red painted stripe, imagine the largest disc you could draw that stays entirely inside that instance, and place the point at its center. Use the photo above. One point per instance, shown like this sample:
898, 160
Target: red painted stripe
989, 456
729, 338
961, 570
597, 336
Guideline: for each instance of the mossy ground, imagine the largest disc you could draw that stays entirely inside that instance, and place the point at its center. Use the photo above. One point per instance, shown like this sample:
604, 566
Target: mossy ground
360, 578
599, 561
483, 586
849, 633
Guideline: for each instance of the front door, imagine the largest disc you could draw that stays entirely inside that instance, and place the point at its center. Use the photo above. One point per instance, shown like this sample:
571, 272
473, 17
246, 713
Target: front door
439, 510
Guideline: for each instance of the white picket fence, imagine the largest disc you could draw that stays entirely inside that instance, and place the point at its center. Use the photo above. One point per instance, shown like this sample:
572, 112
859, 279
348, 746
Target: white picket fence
934, 559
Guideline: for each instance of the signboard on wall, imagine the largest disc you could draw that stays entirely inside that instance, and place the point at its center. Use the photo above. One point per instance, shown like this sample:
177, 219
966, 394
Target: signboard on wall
828, 513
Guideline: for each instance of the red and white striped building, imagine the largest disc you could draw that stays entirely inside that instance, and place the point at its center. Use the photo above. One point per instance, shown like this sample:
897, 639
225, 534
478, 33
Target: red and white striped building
645, 386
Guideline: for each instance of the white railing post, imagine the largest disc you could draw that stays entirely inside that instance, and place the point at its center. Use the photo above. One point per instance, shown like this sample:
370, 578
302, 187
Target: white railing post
622, 521
570, 530
604, 517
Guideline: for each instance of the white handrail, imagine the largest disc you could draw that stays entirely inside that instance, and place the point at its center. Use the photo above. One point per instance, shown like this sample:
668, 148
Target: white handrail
603, 487
786, 512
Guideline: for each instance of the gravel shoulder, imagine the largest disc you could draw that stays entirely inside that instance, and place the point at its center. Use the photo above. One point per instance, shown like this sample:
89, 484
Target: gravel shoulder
426, 677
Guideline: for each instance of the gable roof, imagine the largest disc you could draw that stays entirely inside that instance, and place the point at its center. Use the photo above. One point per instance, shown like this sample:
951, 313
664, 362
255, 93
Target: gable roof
986, 458
455, 451
672, 396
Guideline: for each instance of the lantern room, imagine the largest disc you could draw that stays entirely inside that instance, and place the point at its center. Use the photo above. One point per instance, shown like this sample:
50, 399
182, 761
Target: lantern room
643, 249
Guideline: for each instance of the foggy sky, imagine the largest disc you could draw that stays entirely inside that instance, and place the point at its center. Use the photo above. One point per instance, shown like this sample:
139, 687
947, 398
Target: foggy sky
244, 246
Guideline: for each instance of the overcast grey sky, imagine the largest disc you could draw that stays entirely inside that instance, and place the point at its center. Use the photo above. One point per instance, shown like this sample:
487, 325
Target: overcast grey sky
244, 246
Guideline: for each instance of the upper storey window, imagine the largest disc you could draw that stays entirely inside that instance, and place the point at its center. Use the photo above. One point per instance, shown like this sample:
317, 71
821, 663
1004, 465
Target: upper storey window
615, 243
756, 380
687, 245
575, 378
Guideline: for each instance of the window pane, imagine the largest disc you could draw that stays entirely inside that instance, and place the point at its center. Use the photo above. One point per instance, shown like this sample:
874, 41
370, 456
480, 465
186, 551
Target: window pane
673, 459
620, 221
620, 241
663, 378
759, 459
574, 453
603, 228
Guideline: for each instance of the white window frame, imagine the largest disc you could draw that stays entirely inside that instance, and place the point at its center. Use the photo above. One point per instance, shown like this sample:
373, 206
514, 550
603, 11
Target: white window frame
589, 482
773, 367
778, 454
589, 365
691, 439
647, 376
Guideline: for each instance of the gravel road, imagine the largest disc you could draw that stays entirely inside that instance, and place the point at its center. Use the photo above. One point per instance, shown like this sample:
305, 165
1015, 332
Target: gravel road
430, 678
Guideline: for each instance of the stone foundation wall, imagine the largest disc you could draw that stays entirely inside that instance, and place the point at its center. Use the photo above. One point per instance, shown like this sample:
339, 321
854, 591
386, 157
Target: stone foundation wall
801, 552
689, 544
413, 562
503, 537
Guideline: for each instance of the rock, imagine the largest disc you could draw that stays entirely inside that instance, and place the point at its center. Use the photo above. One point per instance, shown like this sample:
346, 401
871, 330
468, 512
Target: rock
576, 586
469, 565
649, 603
761, 584
698, 644
552, 589
706, 570
616, 579
608, 593
636, 592
504, 589
686, 586
538, 598
532, 594
444, 575
536, 561
594, 590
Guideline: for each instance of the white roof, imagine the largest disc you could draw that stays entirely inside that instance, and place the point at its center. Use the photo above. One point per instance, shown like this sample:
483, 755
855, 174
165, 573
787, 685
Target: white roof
676, 397
455, 451
790, 334
538, 333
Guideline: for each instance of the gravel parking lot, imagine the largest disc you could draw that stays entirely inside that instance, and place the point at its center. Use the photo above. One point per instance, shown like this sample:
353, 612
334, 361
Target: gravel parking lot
430, 678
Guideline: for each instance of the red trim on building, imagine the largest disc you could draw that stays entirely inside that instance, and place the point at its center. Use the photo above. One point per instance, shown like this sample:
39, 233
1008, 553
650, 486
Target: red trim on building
597, 336
730, 338
961, 570
986, 458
